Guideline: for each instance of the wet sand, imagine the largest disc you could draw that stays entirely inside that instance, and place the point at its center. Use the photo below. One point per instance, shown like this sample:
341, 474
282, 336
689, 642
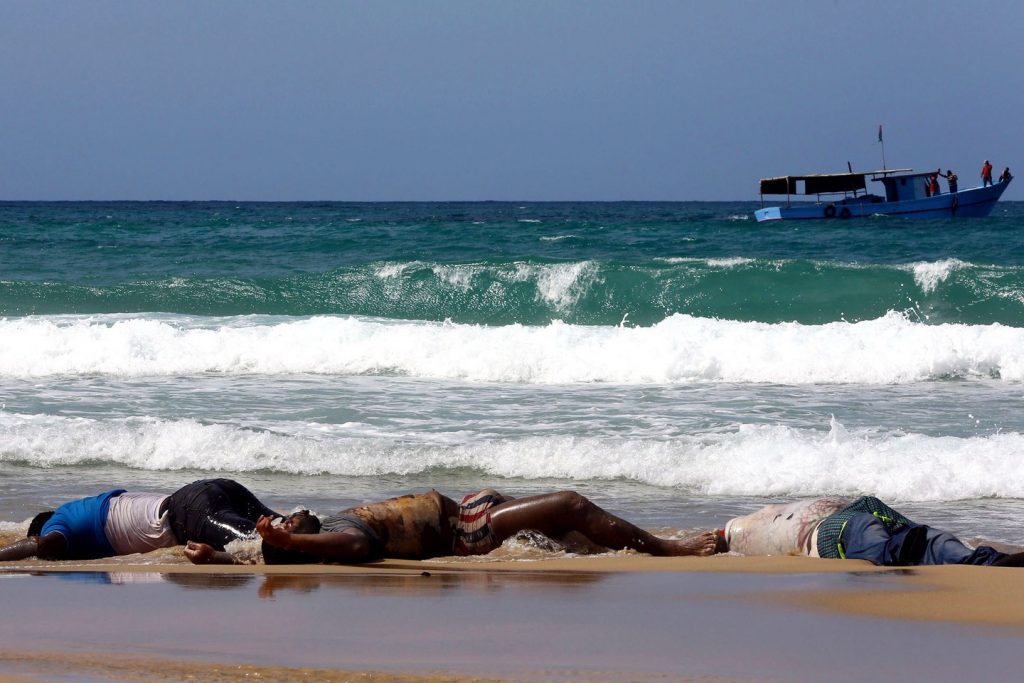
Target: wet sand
606, 618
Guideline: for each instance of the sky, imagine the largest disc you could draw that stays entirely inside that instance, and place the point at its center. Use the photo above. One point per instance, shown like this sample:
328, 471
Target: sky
487, 100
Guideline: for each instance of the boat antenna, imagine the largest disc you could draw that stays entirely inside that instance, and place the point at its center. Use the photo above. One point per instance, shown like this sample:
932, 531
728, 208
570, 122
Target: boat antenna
882, 143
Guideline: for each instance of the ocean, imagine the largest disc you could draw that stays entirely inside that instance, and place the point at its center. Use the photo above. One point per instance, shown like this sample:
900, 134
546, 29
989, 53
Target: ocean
676, 362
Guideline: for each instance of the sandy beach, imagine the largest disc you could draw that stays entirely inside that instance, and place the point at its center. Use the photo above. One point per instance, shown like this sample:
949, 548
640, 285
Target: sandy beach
604, 618
639, 268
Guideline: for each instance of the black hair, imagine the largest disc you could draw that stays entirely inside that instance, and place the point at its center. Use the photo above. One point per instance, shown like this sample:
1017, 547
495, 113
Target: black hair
306, 524
35, 527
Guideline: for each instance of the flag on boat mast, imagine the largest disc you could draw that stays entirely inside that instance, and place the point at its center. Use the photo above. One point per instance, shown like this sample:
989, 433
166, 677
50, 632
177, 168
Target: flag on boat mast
882, 143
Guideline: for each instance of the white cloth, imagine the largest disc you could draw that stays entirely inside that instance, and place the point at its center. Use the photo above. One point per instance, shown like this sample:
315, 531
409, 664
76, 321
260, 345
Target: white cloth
134, 523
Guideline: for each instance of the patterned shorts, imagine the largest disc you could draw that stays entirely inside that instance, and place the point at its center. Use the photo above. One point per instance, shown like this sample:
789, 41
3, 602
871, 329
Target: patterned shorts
473, 534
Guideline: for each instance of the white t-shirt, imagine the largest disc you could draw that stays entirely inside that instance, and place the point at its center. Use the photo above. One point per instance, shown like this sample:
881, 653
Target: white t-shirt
134, 523
787, 529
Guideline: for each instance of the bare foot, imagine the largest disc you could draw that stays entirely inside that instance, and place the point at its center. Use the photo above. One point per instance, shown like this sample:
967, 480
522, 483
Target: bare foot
702, 544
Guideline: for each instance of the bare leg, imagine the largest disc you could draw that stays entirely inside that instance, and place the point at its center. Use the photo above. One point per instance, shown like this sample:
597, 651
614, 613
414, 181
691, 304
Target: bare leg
556, 514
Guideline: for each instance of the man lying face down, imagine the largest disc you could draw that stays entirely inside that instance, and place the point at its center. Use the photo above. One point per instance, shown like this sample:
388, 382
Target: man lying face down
426, 525
865, 528
211, 511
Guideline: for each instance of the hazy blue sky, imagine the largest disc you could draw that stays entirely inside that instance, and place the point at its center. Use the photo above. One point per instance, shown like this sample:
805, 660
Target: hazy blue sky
511, 100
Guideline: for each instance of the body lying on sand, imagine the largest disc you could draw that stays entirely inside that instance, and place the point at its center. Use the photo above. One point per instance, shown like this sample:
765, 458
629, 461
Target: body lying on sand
210, 511
426, 525
864, 529
206, 515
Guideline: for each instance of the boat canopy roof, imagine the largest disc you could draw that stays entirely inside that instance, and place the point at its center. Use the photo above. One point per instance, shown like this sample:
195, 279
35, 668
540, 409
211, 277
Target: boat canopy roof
821, 183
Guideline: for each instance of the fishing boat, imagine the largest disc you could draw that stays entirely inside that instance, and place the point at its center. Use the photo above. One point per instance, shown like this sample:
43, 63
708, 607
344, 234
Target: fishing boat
845, 195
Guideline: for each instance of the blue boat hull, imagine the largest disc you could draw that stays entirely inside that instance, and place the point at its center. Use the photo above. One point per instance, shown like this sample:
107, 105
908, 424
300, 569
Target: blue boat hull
974, 203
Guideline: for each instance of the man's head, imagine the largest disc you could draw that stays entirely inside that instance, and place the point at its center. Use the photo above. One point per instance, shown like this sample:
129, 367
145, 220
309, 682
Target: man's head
302, 522
35, 527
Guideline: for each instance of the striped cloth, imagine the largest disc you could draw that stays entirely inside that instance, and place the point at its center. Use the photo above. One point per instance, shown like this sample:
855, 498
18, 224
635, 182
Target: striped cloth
473, 534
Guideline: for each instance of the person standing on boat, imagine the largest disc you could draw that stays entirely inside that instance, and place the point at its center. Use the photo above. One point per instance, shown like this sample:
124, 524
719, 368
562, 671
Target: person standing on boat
986, 174
951, 179
933, 183
1005, 176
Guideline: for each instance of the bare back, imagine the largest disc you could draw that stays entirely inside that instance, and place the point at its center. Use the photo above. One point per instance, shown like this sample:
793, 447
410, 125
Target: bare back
412, 527
785, 529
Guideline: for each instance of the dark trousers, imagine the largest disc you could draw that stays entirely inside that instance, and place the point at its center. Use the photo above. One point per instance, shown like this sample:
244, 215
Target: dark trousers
865, 537
214, 511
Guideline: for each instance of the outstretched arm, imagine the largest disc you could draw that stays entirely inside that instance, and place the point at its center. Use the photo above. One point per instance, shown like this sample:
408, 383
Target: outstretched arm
348, 546
50, 547
19, 550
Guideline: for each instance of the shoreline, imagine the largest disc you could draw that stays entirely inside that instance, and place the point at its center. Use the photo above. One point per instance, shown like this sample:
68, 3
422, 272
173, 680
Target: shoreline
595, 618
951, 593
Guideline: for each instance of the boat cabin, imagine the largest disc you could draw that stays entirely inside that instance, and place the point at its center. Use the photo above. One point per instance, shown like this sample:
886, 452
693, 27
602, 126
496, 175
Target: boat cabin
900, 184
904, 187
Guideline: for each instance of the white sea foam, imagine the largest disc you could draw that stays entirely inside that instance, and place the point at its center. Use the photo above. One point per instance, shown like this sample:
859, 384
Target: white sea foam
745, 460
393, 270
460, 277
929, 275
560, 285
729, 262
680, 349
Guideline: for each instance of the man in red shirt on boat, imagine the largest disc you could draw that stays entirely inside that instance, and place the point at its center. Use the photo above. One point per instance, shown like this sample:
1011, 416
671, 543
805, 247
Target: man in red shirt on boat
986, 174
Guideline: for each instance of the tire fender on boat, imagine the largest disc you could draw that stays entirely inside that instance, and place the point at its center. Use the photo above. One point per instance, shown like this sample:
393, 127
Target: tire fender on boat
955, 205
830, 211
845, 213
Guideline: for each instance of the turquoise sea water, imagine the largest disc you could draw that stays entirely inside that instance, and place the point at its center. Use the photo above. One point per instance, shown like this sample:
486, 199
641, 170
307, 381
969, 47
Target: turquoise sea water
678, 362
